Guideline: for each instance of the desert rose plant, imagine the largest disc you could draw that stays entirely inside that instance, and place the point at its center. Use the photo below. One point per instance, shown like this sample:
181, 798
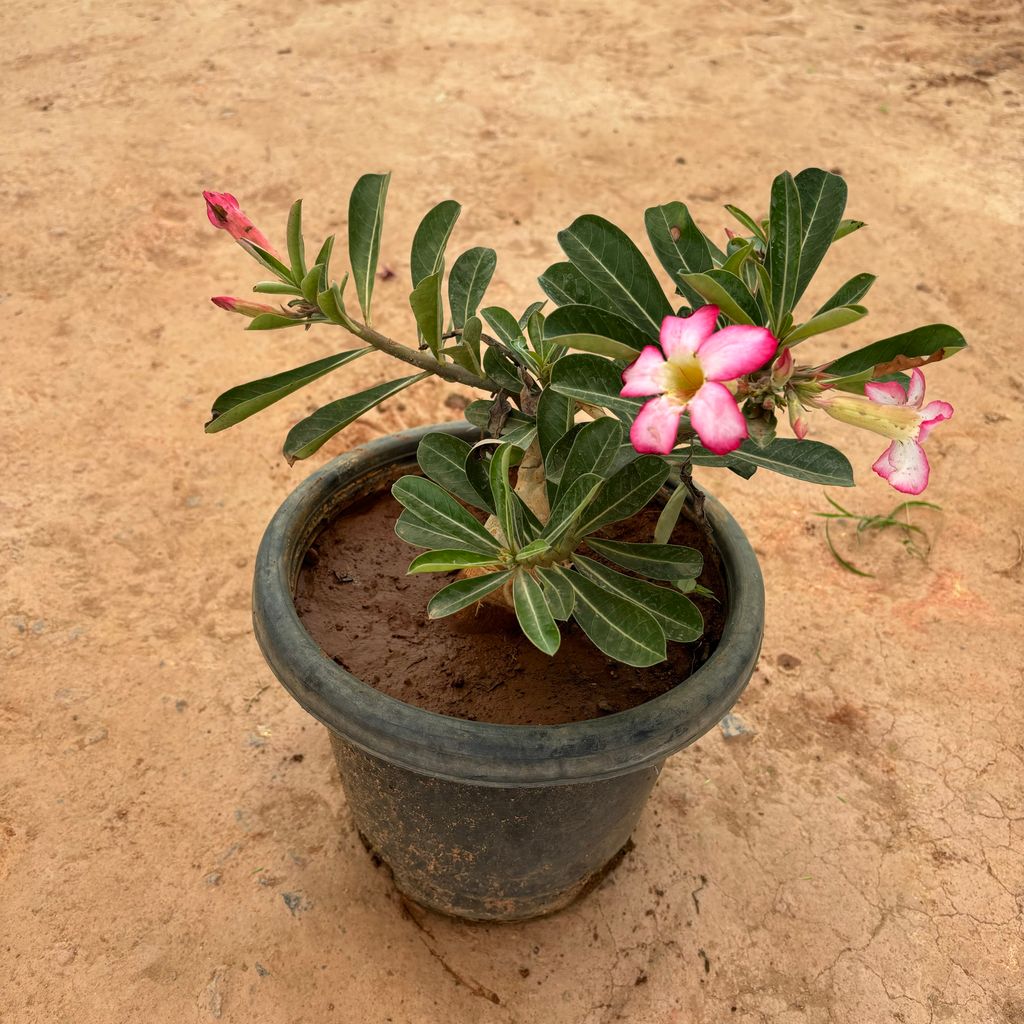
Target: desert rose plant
598, 397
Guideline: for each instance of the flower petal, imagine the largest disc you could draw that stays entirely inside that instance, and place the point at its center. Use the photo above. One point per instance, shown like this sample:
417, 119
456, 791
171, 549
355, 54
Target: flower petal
905, 465
931, 416
734, 351
717, 419
656, 426
888, 392
915, 389
644, 375
682, 336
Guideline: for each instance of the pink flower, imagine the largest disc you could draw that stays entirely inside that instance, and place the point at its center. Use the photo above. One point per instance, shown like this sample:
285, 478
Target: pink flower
233, 305
686, 375
222, 209
889, 410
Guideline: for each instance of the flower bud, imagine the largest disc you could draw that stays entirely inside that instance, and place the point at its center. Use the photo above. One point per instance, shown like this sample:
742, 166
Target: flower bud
782, 368
223, 211
233, 305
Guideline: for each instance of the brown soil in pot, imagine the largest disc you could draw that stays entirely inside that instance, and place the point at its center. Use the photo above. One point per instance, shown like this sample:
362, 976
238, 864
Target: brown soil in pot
357, 602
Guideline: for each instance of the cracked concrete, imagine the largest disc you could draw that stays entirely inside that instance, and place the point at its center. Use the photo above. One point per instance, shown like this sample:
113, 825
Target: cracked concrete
859, 860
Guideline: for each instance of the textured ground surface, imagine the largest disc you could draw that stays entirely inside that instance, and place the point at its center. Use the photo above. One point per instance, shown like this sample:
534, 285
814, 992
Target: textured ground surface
173, 842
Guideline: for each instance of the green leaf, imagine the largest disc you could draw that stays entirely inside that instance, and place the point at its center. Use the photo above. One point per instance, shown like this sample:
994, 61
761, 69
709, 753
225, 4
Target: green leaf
626, 493
574, 495
847, 227
461, 593
784, 232
271, 262
822, 201
680, 245
740, 254
678, 616
555, 414
921, 345
607, 257
812, 461
500, 369
728, 293
309, 434
312, 284
533, 613
425, 300
506, 506
594, 381
442, 513
593, 450
431, 237
296, 248
533, 307
273, 322
554, 461
443, 458
243, 401
594, 330
323, 257
565, 285
618, 627
365, 219
470, 275
833, 319
534, 549
853, 291
748, 222
449, 559
558, 592
276, 288
420, 533
469, 342
332, 304
658, 561
505, 326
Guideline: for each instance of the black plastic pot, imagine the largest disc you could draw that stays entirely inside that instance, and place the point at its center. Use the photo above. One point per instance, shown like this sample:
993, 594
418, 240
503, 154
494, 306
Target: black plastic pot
482, 821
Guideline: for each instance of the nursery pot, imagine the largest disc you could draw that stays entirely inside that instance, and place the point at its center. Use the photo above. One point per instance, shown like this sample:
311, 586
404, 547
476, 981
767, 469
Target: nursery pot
476, 820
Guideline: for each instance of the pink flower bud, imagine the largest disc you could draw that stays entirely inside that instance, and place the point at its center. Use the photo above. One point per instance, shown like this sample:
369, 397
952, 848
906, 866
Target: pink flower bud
233, 305
797, 418
782, 369
222, 209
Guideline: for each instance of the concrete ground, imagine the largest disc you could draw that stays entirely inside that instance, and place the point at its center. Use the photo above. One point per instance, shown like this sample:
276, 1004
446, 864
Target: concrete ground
174, 845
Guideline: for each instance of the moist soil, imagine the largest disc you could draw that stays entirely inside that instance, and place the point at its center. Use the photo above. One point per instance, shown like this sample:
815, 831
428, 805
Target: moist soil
354, 597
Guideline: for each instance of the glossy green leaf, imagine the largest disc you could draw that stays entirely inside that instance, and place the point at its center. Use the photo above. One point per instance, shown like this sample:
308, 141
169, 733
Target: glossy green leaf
271, 262
727, 292
309, 434
739, 256
296, 247
555, 414
594, 449
533, 613
425, 300
658, 561
469, 342
443, 458
312, 284
565, 285
618, 627
243, 401
365, 219
812, 461
500, 369
574, 496
534, 549
850, 293
323, 257
450, 559
505, 326
831, 320
914, 348
558, 592
748, 222
470, 275
462, 593
847, 227
822, 202
506, 506
414, 530
607, 257
276, 288
784, 232
593, 380
442, 513
629, 490
594, 330
533, 307
274, 322
431, 237
680, 246
554, 461
680, 619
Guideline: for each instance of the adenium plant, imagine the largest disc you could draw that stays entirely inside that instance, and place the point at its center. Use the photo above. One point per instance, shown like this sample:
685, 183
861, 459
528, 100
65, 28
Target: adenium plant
598, 397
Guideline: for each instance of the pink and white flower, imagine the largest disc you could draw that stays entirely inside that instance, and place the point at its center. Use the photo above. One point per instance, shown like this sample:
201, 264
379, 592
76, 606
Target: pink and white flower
687, 374
887, 409
223, 211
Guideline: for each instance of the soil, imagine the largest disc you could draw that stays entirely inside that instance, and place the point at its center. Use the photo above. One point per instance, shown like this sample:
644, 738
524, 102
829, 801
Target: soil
355, 599
174, 843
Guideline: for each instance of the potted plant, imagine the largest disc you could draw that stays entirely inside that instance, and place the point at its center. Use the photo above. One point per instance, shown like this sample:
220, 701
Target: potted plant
597, 612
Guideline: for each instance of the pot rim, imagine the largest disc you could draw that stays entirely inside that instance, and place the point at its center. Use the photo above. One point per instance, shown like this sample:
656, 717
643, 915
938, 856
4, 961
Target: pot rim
486, 753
